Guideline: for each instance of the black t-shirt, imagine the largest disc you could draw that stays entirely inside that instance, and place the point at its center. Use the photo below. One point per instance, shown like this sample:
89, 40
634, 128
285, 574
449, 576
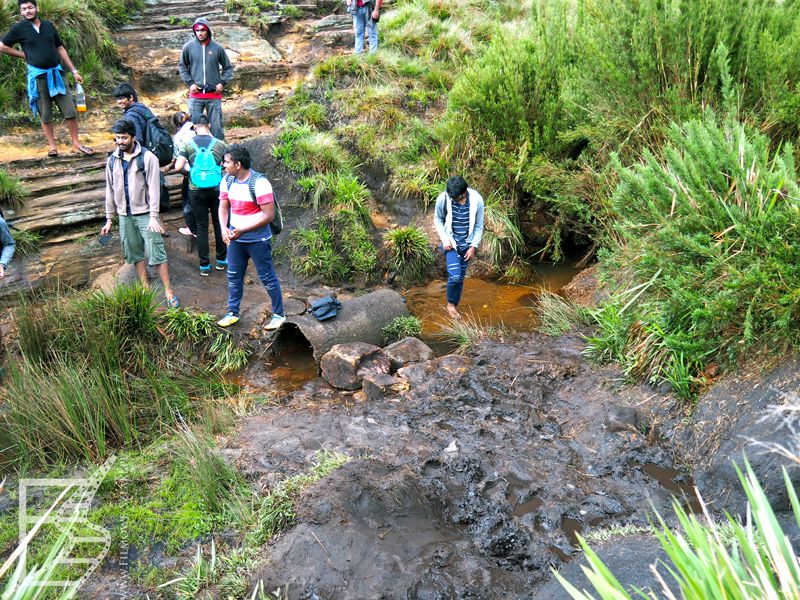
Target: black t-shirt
40, 48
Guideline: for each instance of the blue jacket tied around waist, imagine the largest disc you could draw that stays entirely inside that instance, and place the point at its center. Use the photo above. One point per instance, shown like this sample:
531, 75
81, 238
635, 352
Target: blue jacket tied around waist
55, 84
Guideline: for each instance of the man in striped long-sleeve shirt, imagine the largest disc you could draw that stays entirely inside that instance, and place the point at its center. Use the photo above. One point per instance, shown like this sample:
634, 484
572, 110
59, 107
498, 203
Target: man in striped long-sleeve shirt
458, 218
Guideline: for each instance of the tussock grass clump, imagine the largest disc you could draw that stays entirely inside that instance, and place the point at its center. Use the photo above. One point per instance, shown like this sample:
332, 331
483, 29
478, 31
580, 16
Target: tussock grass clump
402, 327
557, 316
410, 254
467, 331
339, 246
703, 239
99, 372
302, 149
12, 192
27, 242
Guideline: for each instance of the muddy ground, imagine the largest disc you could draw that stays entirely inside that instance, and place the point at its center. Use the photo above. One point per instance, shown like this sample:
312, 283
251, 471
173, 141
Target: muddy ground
472, 484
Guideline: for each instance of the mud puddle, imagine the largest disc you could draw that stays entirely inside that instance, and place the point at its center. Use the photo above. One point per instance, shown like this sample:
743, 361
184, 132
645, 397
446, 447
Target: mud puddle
487, 303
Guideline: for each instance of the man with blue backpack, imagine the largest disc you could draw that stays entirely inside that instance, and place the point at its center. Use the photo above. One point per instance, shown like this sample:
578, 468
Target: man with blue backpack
203, 154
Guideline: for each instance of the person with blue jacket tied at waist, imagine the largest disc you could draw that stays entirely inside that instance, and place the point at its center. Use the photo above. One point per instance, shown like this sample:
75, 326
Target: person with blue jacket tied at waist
43, 51
205, 67
7, 247
458, 218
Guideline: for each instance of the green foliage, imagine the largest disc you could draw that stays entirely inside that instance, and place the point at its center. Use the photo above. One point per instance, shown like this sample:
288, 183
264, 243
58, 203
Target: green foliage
27, 242
12, 192
97, 373
402, 327
201, 332
300, 108
210, 476
339, 246
705, 240
557, 316
303, 149
410, 254
709, 559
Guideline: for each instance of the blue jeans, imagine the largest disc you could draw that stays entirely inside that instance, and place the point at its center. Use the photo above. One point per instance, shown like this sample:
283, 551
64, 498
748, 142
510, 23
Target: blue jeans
362, 19
261, 253
456, 272
213, 109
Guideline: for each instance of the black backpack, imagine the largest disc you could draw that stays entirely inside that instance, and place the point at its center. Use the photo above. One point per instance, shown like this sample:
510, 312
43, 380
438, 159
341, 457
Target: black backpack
276, 225
156, 138
164, 202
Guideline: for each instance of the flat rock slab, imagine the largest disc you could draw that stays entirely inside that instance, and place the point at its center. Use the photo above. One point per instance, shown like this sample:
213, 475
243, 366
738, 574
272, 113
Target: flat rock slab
406, 351
346, 365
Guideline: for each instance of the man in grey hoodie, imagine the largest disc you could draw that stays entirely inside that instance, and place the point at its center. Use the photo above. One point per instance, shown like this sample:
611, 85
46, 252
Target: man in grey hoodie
206, 69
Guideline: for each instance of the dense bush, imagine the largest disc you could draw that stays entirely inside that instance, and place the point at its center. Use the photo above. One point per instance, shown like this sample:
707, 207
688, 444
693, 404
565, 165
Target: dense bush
706, 242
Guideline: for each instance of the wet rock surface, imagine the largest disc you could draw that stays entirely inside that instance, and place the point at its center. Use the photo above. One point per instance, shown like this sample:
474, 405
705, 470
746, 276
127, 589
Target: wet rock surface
472, 485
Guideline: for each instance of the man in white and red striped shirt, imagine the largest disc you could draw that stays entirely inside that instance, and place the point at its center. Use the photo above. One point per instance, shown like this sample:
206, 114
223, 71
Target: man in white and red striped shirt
246, 196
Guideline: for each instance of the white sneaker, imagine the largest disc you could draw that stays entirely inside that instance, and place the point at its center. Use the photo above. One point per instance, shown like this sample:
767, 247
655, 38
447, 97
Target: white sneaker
275, 322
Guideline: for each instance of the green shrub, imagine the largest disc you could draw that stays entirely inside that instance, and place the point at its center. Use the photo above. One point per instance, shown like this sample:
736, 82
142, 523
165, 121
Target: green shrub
402, 327
316, 256
704, 242
410, 254
209, 475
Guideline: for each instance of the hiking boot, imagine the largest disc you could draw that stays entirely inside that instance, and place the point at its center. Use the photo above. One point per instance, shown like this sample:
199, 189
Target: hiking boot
275, 322
222, 265
205, 270
228, 320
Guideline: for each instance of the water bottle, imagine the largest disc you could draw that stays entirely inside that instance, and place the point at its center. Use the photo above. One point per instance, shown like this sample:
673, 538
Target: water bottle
80, 98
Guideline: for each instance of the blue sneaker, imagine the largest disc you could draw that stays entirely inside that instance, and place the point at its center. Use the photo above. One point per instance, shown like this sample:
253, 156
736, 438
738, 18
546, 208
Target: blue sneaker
222, 265
205, 270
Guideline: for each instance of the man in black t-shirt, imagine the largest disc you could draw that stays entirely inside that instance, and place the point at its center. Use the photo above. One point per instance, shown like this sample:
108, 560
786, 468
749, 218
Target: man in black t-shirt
44, 52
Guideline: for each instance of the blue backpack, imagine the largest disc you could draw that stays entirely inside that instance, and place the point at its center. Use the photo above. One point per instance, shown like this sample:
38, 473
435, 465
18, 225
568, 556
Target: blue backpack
205, 172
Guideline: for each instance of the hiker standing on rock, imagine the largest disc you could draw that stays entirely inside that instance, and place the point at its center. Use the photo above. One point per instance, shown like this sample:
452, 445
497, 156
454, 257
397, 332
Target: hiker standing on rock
206, 69
132, 192
458, 218
204, 153
248, 195
365, 16
8, 246
43, 51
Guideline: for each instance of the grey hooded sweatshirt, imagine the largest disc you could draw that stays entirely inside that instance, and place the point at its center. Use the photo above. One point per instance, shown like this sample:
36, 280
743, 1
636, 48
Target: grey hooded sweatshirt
201, 64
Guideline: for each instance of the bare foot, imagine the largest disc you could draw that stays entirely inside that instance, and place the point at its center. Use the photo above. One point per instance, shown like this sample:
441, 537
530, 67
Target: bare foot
453, 311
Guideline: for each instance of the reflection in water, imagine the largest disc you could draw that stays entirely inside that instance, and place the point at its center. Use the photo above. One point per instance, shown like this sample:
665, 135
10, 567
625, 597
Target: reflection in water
489, 302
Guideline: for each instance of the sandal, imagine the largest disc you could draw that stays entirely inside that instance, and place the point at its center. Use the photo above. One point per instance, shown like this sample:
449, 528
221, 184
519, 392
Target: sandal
53, 153
84, 150
173, 302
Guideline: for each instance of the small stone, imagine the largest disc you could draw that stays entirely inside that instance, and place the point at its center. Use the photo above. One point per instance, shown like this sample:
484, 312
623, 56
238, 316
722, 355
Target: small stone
416, 373
360, 396
378, 386
406, 351
453, 447
623, 418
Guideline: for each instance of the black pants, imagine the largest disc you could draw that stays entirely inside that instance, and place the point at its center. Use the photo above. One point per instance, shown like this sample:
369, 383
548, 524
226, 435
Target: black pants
187, 206
203, 201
